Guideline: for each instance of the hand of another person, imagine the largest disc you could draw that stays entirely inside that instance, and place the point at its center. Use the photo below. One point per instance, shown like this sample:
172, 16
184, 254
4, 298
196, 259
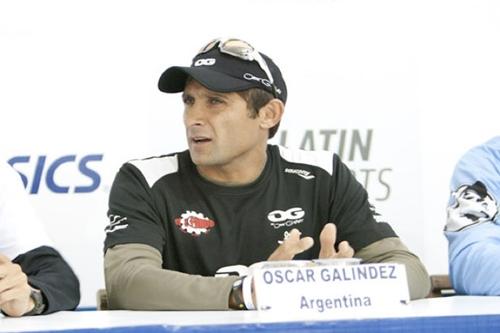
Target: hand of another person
15, 291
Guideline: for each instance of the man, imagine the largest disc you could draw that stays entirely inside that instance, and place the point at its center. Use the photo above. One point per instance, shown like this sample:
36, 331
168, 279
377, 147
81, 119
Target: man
473, 221
34, 278
232, 198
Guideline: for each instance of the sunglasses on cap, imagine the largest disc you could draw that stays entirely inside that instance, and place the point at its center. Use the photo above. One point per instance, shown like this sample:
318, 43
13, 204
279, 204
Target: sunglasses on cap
240, 49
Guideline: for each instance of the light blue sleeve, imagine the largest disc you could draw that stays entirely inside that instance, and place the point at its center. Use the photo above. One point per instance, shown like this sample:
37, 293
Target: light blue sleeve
474, 260
473, 221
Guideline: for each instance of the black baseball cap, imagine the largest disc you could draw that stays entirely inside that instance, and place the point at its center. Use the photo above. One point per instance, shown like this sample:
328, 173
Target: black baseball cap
222, 72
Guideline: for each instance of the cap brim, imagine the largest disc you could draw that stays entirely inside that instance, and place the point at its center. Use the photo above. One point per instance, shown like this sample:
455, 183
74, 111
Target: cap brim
174, 79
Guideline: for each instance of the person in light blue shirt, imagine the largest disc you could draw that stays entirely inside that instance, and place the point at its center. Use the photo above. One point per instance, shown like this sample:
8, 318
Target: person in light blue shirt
473, 221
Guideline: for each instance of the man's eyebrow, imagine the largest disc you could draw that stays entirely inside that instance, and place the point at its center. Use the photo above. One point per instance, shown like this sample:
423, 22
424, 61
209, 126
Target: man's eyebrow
216, 94
207, 94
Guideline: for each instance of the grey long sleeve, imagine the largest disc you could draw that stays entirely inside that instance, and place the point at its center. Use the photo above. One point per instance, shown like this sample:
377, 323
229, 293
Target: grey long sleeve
136, 280
393, 250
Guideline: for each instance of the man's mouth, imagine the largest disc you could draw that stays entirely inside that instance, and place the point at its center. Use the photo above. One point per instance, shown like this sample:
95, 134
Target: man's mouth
200, 139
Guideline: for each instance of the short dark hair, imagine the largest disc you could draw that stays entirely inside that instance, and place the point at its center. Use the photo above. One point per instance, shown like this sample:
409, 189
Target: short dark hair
256, 98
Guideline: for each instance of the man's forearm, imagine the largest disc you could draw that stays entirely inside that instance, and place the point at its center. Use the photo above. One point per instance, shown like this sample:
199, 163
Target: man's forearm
135, 280
393, 250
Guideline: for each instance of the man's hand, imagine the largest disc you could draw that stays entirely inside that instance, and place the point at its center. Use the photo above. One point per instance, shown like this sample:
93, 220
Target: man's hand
291, 246
327, 240
15, 291
294, 245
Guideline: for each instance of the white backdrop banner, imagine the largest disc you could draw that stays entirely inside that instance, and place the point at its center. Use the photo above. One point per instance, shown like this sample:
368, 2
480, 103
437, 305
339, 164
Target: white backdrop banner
399, 89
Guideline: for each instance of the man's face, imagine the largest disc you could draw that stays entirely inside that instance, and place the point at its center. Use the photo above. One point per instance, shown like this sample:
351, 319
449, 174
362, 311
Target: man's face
220, 132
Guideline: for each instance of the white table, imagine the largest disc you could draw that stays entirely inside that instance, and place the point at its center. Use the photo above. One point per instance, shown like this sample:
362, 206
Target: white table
444, 314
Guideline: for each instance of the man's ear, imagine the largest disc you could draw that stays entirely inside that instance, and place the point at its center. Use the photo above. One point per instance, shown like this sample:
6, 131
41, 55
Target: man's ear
271, 113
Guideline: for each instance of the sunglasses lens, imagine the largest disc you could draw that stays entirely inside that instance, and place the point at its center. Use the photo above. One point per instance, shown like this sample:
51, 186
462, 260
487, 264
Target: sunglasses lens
238, 48
209, 46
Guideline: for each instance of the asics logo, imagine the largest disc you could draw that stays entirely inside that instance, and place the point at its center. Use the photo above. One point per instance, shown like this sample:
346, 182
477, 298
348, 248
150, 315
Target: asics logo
301, 173
205, 62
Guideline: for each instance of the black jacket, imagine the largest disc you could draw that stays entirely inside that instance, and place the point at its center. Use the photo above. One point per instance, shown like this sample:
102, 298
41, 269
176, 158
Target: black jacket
199, 226
48, 271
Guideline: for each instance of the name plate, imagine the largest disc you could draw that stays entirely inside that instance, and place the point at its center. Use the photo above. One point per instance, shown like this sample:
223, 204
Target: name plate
330, 287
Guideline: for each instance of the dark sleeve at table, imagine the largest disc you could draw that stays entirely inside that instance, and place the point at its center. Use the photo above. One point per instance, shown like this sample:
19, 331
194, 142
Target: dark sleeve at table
49, 272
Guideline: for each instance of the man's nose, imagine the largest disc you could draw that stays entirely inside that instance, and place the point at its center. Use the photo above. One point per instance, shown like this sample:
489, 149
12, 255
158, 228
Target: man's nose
194, 115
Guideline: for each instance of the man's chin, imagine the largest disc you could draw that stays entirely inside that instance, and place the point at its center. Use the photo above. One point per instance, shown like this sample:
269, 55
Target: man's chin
200, 160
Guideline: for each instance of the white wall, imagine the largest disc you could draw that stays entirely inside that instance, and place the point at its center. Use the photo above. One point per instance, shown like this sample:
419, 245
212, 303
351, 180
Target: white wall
79, 78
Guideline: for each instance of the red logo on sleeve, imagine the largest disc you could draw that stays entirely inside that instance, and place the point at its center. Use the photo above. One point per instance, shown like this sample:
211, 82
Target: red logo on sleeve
194, 223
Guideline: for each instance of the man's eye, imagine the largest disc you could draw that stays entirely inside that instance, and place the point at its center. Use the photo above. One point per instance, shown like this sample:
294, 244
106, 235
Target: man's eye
187, 100
215, 100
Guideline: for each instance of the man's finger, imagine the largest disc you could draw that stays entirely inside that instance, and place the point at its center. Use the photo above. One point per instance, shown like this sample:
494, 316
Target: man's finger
327, 239
16, 302
305, 243
293, 236
3, 259
291, 246
290, 249
345, 250
13, 278
4, 265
